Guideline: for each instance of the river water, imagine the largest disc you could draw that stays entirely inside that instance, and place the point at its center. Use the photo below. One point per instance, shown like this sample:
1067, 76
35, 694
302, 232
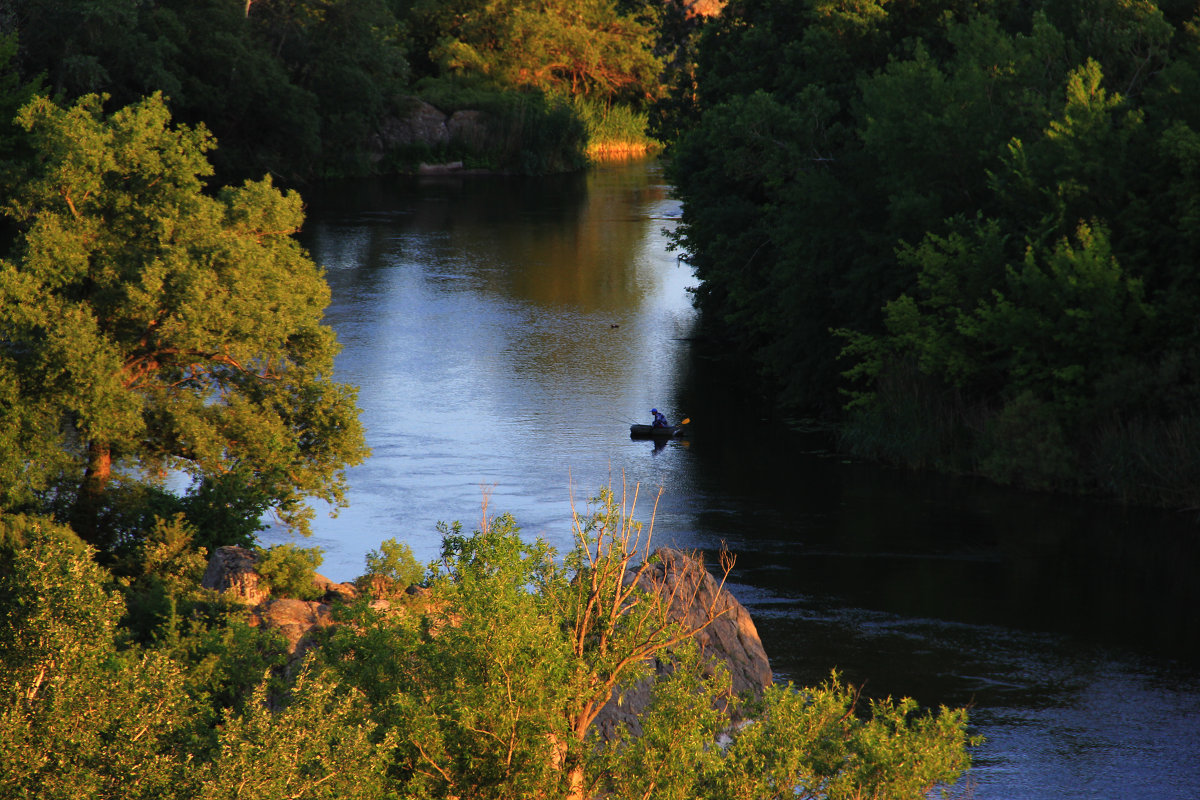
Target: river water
504, 333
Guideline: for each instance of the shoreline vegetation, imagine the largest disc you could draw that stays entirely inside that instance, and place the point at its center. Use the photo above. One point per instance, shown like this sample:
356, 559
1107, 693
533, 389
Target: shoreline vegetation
483, 678
966, 234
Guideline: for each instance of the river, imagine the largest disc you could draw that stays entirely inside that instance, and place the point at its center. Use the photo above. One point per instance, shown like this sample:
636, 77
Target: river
504, 333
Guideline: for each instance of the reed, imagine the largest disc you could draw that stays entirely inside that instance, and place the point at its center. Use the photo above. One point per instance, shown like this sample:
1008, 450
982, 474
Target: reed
614, 132
1150, 462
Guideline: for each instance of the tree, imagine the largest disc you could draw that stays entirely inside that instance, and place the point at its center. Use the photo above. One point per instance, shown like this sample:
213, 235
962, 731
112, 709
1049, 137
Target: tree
590, 48
491, 682
316, 747
149, 327
483, 687
78, 718
493, 689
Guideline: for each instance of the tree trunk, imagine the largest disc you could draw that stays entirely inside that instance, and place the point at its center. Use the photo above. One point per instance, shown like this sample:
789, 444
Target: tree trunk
575, 783
561, 761
86, 512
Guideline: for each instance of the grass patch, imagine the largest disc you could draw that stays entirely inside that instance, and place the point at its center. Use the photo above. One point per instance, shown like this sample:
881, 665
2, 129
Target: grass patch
614, 131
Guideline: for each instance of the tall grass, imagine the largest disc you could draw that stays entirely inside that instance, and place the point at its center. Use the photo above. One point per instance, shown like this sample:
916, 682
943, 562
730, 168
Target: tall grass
526, 131
1150, 462
614, 131
1025, 442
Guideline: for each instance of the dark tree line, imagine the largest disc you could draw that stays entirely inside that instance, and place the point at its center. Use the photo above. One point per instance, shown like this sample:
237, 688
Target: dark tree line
298, 88
291, 88
966, 229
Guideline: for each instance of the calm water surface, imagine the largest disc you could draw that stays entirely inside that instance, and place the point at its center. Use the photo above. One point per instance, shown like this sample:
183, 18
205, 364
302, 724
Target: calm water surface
505, 332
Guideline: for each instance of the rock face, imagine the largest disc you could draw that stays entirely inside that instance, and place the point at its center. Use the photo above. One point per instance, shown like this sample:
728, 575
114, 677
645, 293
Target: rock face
731, 638
296, 620
425, 125
231, 571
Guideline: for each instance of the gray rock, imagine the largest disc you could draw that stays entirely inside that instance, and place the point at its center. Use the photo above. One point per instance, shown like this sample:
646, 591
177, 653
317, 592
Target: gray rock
731, 638
420, 123
231, 571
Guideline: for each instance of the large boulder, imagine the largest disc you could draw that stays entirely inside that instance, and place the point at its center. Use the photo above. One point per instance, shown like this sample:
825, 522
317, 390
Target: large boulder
421, 123
231, 571
730, 638
296, 620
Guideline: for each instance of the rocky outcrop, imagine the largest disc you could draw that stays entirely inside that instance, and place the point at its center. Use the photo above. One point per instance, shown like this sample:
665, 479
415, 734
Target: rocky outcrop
731, 638
296, 620
231, 572
425, 125
335, 592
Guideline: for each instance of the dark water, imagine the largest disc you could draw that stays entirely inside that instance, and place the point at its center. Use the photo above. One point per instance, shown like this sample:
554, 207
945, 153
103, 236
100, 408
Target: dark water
505, 332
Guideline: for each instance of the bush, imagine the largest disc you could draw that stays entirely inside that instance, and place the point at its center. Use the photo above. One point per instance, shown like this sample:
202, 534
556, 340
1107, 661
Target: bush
613, 130
393, 561
289, 570
492, 692
1025, 445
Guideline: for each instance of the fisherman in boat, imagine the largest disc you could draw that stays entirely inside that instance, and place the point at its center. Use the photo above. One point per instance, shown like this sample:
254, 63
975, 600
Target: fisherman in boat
660, 420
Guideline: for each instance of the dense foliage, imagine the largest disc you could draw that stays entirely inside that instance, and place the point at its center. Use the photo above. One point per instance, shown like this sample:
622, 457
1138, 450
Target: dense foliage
149, 327
481, 685
987, 209
305, 89
154, 326
288, 88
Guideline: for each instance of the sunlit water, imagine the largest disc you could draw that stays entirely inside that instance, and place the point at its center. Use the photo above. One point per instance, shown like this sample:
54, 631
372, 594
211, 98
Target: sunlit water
505, 332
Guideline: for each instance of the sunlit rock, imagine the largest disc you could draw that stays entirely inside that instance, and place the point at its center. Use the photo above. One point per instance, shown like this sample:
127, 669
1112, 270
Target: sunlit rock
231, 571
731, 637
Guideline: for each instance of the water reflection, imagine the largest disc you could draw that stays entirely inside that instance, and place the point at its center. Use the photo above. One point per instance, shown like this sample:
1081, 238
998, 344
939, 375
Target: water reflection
505, 332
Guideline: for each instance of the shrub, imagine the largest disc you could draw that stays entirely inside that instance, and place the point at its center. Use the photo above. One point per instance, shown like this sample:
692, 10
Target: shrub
289, 570
395, 562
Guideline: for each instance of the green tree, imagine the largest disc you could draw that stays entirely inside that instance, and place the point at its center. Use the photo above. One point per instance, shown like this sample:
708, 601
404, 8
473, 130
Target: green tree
316, 747
492, 682
815, 743
395, 564
591, 48
975, 189
149, 326
288, 570
77, 717
233, 79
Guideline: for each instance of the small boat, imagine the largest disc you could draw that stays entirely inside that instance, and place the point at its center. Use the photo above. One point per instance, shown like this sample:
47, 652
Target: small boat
651, 432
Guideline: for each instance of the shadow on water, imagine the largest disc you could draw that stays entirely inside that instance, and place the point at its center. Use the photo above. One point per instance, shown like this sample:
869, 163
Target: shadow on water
504, 332
926, 545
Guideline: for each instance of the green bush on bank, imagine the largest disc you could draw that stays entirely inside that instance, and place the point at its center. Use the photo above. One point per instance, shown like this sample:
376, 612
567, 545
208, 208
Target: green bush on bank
614, 130
487, 692
288, 570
